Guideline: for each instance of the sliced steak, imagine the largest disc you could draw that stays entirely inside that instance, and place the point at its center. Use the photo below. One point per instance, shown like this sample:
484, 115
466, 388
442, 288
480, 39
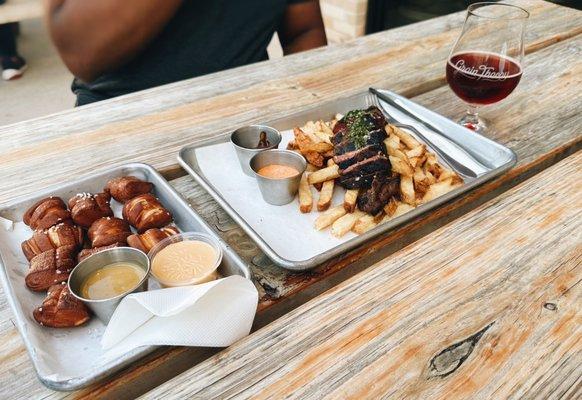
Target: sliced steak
377, 163
377, 137
346, 145
358, 182
352, 157
362, 158
373, 199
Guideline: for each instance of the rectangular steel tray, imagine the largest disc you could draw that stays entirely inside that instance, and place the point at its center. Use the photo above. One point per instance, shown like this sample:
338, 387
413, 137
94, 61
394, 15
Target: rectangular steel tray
12, 276
481, 154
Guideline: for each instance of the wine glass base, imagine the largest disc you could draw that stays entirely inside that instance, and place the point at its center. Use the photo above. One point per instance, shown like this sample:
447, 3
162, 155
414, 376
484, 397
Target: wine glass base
473, 122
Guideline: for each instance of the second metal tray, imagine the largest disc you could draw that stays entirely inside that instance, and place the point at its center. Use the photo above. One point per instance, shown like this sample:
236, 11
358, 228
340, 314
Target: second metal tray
82, 362
477, 152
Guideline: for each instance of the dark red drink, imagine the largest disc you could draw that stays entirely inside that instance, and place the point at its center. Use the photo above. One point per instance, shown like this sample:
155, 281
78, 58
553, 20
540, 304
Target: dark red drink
482, 78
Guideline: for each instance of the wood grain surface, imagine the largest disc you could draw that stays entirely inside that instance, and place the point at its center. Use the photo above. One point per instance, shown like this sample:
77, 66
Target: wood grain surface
540, 121
156, 123
487, 307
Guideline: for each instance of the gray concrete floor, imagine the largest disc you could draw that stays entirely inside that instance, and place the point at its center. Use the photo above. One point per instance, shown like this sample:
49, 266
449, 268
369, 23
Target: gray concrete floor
45, 87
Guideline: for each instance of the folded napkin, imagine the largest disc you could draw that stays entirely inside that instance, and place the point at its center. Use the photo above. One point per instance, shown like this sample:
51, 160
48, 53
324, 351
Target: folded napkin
213, 314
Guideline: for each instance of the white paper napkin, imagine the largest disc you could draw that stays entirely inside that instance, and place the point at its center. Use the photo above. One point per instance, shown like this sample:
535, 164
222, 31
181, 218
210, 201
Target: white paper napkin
213, 314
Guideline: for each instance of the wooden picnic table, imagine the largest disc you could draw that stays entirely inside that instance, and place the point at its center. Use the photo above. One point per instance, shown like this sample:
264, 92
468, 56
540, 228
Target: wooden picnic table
540, 122
485, 307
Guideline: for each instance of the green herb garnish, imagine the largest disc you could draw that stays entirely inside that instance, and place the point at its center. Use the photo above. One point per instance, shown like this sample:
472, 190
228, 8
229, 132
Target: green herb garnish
359, 127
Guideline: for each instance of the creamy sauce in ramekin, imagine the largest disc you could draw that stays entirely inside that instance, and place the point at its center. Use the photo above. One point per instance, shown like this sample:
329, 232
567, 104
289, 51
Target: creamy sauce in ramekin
111, 280
185, 263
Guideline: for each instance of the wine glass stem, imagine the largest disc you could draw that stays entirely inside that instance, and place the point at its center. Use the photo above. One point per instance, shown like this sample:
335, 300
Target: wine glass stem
472, 116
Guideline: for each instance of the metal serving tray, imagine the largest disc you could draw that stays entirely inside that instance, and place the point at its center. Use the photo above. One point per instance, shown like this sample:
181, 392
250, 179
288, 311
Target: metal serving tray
81, 364
480, 154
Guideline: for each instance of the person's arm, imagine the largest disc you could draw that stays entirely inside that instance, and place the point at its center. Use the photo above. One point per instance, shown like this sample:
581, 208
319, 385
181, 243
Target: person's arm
96, 36
302, 27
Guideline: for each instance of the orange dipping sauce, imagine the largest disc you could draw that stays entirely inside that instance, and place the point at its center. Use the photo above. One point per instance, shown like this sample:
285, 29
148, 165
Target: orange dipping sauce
278, 171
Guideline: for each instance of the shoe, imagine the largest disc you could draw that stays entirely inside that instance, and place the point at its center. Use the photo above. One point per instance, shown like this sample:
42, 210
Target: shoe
12, 67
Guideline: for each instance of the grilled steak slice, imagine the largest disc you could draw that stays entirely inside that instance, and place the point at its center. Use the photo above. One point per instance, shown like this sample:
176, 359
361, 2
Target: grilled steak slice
371, 120
361, 156
344, 147
358, 182
375, 117
339, 130
352, 157
373, 199
373, 138
377, 163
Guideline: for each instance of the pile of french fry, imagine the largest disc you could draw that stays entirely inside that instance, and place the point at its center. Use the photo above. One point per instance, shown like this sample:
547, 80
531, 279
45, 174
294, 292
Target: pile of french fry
422, 178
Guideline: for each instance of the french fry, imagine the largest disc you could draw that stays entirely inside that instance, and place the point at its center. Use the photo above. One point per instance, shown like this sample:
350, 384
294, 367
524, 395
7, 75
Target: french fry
309, 142
324, 174
397, 153
364, 224
314, 137
431, 161
429, 176
392, 144
325, 195
328, 154
421, 182
399, 209
401, 166
414, 161
314, 158
326, 192
449, 174
329, 217
435, 169
323, 137
323, 127
438, 189
390, 208
305, 198
291, 145
311, 168
350, 200
456, 180
309, 127
407, 190
405, 137
344, 224
322, 131
416, 152
379, 217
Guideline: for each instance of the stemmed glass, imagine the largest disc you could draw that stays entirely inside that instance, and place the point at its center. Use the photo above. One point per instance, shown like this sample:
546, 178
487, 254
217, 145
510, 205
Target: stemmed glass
485, 63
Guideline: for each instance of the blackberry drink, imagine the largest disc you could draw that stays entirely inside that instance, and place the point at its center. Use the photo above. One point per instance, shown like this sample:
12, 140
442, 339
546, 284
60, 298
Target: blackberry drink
481, 77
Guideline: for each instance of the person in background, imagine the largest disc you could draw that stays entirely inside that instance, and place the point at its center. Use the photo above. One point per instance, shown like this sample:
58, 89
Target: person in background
116, 47
13, 65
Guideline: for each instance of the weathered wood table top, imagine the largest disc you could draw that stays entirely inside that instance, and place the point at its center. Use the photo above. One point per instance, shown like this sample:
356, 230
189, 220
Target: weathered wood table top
541, 122
485, 307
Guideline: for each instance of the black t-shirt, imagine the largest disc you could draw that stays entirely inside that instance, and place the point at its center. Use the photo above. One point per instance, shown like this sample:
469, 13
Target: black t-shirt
204, 36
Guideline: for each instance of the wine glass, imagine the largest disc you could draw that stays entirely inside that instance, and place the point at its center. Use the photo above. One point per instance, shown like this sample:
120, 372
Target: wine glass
485, 63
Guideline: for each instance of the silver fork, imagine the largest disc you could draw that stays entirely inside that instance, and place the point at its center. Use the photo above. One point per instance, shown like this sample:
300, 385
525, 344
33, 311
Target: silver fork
454, 164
